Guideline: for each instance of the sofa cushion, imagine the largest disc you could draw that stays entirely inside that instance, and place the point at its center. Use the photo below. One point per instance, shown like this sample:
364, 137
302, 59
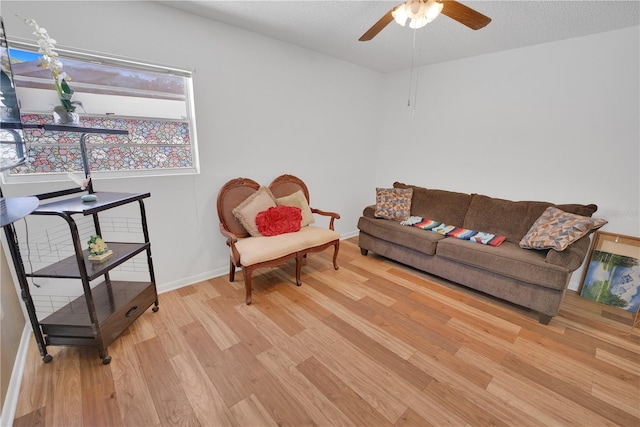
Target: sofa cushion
584, 210
247, 211
394, 232
508, 259
512, 219
298, 199
556, 229
254, 250
448, 207
393, 203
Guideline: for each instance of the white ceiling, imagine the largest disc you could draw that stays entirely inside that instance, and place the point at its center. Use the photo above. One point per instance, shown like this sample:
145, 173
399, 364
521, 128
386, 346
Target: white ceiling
333, 27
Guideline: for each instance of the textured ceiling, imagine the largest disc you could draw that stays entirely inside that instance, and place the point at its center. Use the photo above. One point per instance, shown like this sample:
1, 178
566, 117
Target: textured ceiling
333, 27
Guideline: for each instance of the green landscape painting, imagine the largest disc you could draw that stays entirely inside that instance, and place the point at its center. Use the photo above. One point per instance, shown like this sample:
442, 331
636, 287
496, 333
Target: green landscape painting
614, 280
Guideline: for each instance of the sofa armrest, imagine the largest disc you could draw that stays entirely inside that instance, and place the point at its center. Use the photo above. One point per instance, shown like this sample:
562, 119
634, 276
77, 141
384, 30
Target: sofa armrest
572, 257
369, 211
333, 216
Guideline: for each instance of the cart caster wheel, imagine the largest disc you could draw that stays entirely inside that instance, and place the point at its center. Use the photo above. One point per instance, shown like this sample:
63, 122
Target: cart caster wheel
155, 308
106, 360
47, 358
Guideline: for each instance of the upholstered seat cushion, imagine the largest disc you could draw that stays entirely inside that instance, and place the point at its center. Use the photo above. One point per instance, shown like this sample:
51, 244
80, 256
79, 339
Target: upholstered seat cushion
508, 259
394, 232
254, 250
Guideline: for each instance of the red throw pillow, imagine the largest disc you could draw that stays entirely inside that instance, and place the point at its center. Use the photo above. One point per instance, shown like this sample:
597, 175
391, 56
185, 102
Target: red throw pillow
279, 220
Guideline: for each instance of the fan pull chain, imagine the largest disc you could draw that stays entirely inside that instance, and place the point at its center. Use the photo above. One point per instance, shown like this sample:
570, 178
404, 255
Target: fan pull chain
415, 96
413, 54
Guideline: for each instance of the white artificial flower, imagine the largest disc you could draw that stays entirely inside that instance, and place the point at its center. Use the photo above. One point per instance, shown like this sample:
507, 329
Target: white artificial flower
50, 61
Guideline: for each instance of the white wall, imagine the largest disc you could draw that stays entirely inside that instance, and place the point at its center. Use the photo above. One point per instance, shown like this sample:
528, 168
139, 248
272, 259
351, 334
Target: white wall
263, 108
557, 122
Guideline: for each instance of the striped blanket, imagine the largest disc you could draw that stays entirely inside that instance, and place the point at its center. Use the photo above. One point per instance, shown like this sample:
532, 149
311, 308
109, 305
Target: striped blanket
453, 231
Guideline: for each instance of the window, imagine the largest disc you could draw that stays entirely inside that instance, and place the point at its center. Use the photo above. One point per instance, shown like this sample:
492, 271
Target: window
153, 103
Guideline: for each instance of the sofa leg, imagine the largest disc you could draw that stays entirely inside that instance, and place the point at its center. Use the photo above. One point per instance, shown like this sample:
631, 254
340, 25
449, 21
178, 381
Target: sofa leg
364, 251
335, 255
544, 318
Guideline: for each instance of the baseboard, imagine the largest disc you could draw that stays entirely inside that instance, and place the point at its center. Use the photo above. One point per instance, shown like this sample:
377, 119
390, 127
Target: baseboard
177, 284
221, 271
345, 236
13, 391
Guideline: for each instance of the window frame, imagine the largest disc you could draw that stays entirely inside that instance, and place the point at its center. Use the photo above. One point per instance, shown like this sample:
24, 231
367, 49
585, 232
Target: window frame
131, 65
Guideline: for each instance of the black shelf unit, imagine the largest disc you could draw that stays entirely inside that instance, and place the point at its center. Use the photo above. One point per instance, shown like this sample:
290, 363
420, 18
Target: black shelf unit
98, 316
102, 313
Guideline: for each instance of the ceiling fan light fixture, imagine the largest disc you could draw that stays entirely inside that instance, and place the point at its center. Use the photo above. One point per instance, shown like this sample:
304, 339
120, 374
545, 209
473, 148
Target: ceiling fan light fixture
432, 10
418, 23
415, 9
418, 12
400, 15
422, 12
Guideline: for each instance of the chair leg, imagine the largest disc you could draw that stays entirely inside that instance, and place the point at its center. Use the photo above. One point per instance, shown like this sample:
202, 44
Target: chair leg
232, 271
335, 255
247, 284
299, 258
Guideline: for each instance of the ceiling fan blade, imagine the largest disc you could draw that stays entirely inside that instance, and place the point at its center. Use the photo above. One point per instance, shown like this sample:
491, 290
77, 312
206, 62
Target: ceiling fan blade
377, 27
464, 14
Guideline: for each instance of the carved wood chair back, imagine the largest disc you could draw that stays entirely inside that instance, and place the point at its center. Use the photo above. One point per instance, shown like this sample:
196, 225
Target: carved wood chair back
230, 196
285, 185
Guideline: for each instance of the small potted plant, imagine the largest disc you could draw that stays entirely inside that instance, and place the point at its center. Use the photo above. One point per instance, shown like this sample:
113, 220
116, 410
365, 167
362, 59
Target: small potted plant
98, 249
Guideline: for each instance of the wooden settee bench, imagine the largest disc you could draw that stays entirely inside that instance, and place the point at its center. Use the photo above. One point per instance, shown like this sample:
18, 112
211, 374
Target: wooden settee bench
237, 203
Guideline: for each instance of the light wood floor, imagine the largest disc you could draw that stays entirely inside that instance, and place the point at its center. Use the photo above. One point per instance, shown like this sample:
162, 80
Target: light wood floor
372, 344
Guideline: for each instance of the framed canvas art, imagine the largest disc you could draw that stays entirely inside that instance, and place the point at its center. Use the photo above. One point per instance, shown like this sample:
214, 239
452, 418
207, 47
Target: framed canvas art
612, 275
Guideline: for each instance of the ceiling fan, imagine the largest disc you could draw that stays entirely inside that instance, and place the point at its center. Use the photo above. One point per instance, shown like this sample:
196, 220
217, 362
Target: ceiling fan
420, 12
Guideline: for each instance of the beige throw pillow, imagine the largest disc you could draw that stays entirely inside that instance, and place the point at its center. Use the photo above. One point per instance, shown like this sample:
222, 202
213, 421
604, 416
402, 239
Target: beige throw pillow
298, 199
247, 211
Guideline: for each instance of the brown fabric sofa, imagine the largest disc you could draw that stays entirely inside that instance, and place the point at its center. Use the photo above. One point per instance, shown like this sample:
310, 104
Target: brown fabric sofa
536, 279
